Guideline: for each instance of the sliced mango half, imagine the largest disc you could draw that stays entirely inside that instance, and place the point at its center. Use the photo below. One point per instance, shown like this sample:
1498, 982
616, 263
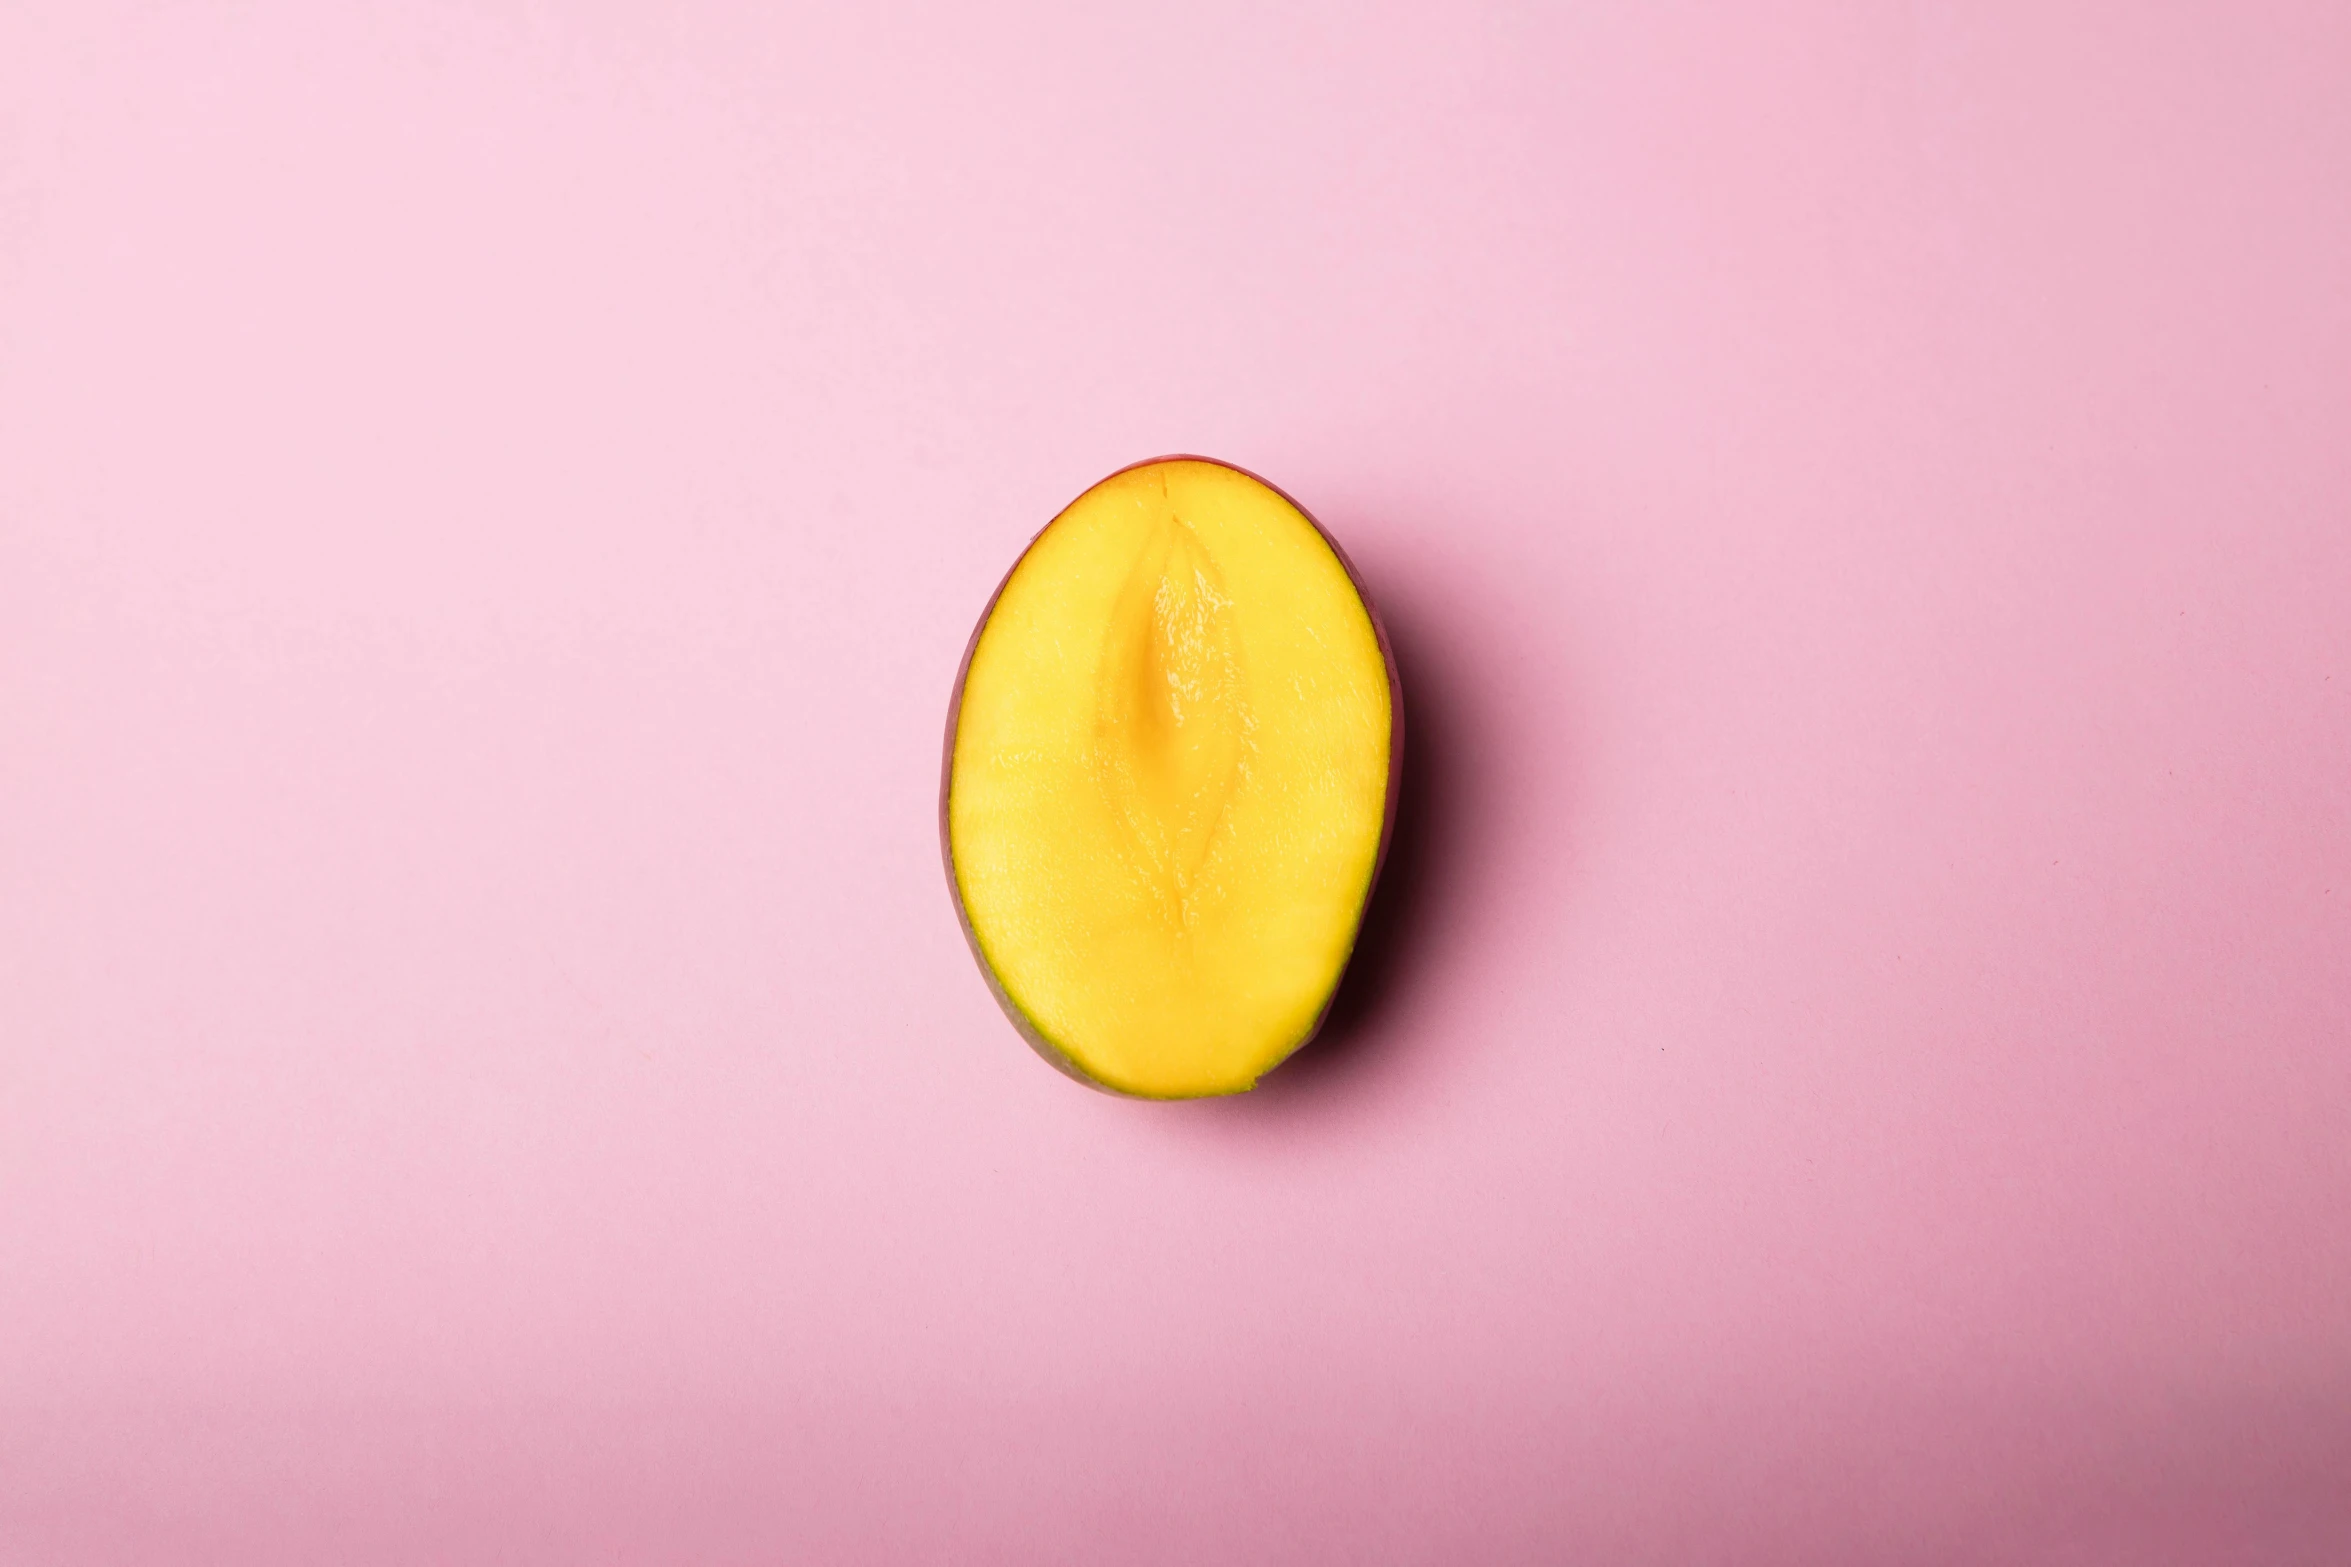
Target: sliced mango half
1171, 772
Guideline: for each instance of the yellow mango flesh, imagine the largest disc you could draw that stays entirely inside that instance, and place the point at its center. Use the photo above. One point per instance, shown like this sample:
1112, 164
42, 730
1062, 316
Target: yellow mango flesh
1168, 780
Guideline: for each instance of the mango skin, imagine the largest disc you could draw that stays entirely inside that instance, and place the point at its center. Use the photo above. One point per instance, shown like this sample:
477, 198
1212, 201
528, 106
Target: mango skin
1021, 1021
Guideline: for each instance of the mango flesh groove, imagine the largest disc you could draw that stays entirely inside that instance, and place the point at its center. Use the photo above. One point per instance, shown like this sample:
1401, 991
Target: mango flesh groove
1171, 771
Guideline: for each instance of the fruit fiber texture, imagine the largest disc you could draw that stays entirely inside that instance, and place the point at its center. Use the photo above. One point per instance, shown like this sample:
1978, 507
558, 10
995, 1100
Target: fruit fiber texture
1171, 770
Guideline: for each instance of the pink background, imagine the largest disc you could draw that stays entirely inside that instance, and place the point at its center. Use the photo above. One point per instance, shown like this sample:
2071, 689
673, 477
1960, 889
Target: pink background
1854, 1065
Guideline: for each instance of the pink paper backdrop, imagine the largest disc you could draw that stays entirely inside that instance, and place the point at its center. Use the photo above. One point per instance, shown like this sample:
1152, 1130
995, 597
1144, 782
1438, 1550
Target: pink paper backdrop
1855, 1064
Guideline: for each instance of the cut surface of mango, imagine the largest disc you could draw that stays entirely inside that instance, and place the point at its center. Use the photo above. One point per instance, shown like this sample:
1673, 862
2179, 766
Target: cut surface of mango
1168, 780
